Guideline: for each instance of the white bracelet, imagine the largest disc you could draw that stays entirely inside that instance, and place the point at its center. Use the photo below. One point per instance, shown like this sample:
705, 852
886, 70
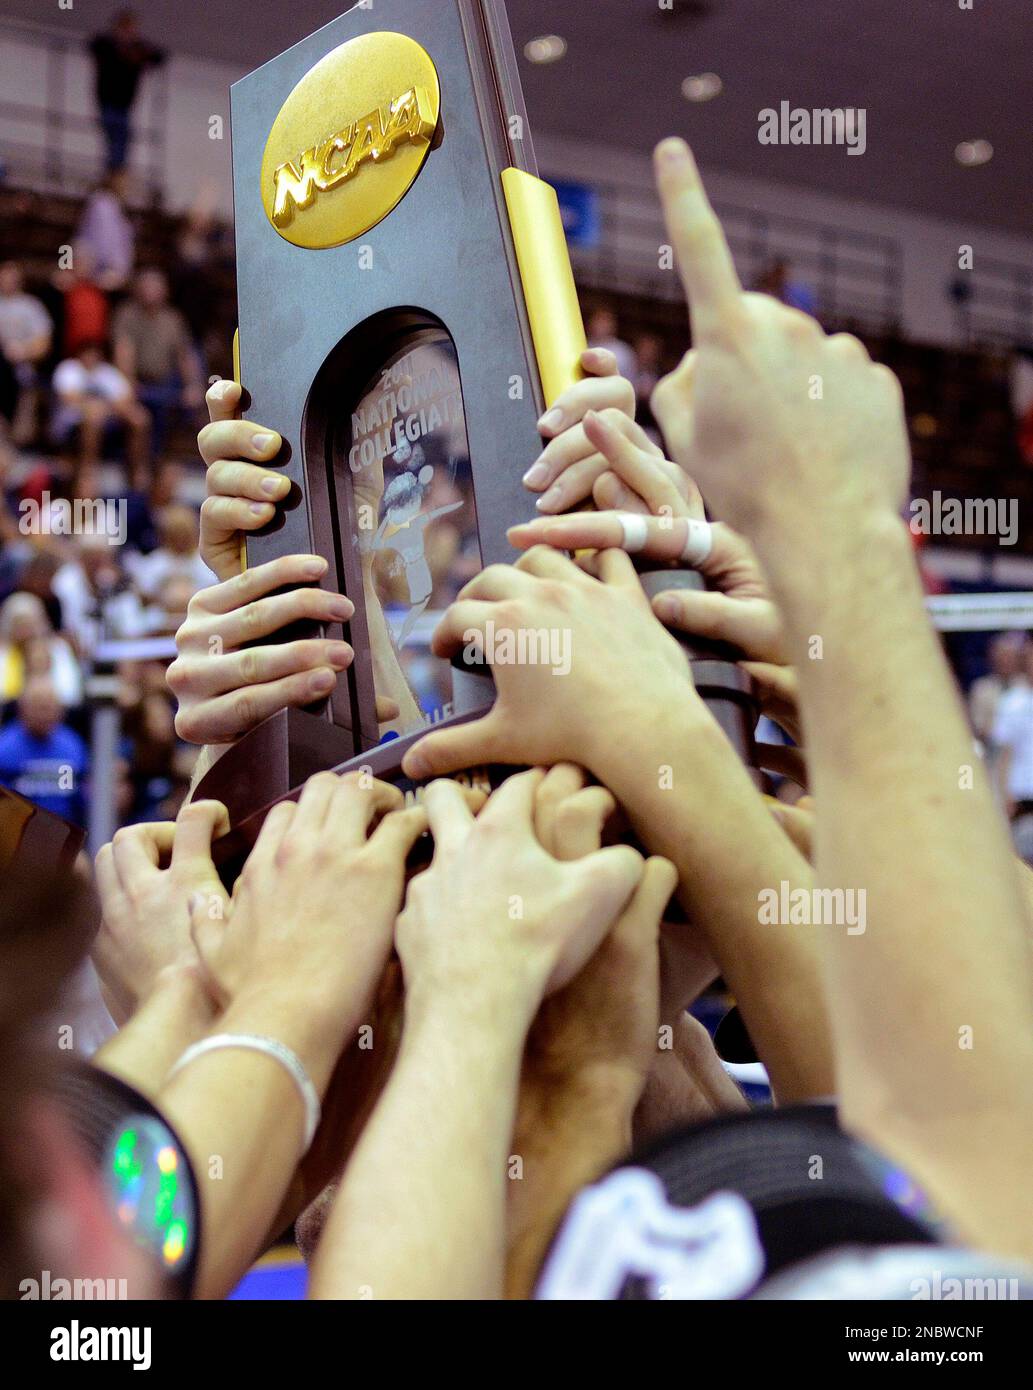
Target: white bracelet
698, 541
280, 1052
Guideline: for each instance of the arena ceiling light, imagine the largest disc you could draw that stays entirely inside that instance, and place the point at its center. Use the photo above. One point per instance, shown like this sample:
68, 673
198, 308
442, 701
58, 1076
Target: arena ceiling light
702, 87
548, 48
973, 152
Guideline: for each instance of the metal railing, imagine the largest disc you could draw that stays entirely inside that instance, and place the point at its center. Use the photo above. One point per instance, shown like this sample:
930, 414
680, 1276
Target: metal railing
995, 304
42, 144
856, 277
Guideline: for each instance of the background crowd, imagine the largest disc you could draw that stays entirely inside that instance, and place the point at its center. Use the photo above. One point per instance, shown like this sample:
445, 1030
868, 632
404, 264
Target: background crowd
105, 360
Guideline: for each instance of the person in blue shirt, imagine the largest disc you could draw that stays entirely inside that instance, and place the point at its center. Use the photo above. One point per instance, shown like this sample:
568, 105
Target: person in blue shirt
40, 757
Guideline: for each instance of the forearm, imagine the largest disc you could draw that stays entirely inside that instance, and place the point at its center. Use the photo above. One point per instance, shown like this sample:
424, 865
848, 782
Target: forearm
689, 799
420, 1212
905, 813
143, 1051
241, 1118
560, 1154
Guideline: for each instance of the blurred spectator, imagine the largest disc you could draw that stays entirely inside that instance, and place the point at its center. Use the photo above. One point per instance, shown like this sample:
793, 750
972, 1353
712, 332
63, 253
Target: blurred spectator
96, 597
94, 401
168, 614
36, 576
649, 351
28, 646
107, 233
26, 332
40, 757
1005, 656
121, 56
157, 769
1012, 734
176, 557
602, 333
202, 249
152, 348
776, 282
86, 311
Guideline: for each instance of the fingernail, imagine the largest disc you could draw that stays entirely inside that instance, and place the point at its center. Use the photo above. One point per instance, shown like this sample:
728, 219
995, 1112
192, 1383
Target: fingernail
552, 500
552, 419
322, 682
342, 608
314, 568
339, 654
537, 475
273, 487
262, 442
415, 765
259, 508
220, 389
672, 151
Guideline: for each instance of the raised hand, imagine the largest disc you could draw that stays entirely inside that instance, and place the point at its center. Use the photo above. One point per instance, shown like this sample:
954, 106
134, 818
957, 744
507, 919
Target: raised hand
776, 421
145, 878
314, 909
496, 916
242, 495
607, 659
570, 462
224, 683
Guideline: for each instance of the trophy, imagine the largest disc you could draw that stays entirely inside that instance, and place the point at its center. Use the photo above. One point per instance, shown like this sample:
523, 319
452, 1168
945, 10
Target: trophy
406, 314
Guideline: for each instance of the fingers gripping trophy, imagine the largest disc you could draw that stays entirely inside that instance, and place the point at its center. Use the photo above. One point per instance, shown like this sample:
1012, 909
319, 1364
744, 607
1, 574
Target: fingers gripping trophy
407, 313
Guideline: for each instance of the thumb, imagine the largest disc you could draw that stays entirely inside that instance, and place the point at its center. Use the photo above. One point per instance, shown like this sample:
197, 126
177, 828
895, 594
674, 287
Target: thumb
453, 749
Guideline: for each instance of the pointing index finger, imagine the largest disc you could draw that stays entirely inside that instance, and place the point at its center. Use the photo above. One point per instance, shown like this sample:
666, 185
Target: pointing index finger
704, 261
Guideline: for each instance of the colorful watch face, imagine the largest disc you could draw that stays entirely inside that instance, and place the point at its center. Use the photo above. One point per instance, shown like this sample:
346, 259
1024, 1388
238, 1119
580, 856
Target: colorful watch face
152, 1190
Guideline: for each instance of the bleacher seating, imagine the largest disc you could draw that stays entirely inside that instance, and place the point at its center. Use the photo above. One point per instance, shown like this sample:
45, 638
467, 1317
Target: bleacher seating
962, 425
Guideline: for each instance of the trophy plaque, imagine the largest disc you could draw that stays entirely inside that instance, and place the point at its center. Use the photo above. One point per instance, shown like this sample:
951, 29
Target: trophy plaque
406, 313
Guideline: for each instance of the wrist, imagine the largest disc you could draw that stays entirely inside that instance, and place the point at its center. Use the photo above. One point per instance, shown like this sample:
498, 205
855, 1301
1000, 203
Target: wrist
313, 1027
496, 1014
638, 759
840, 551
601, 1099
182, 987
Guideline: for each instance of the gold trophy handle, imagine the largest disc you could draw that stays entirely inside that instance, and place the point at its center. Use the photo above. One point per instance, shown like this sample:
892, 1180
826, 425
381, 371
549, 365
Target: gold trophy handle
557, 329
